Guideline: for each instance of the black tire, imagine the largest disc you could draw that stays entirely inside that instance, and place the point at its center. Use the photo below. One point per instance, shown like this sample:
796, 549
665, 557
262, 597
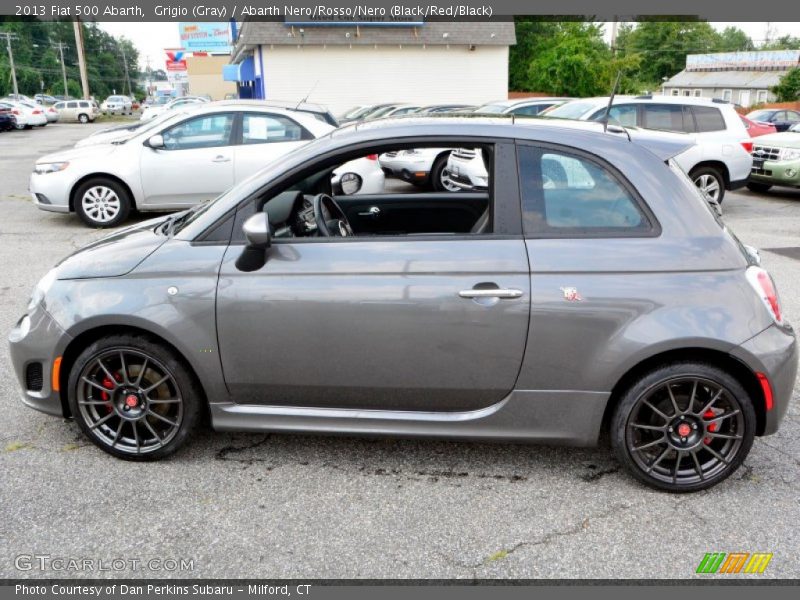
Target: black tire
759, 188
121, 203
133, 438
435, 177
631, 434
700, 173
82, 118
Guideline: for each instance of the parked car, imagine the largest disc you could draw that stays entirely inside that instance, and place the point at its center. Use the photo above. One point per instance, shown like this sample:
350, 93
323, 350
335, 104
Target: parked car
795, 128
121, 132
358, 176
7, 120
117, 105
45, 99
219, 144
757, 128
442, 108
26, 114
394, 110
82, 111
424, 167
361, 112
776, 161
523, 107
51, 114
151, 111
20, 98
521, 313
781, 118
719, 158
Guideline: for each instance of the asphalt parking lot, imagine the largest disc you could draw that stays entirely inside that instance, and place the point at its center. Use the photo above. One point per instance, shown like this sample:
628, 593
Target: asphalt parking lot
273, 506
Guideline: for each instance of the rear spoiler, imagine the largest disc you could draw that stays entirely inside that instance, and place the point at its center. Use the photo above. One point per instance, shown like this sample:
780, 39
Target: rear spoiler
664, 145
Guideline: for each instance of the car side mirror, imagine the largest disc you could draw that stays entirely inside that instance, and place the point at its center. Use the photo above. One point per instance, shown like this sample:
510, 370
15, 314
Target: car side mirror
156, 141
258, 233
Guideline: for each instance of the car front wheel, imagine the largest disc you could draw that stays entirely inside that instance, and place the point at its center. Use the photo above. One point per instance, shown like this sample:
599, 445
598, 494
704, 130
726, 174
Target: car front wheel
102, 202
710, 181
133, 397
683, 427
440, 178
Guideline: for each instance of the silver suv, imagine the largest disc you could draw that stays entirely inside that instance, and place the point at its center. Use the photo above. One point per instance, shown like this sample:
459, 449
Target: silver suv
720, 158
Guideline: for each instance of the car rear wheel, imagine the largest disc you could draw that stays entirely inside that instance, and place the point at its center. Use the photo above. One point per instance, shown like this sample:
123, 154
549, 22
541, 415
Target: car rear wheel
83, 118
102, 202
439, 178
758, 187
133, 397
683, 427
710, 181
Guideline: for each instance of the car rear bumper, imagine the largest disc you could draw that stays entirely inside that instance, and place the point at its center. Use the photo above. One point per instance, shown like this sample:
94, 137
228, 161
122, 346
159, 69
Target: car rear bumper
774, 353
35, 342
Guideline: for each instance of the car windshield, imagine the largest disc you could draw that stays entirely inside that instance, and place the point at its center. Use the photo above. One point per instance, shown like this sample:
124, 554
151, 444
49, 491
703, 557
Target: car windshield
759, 115
491, 109
570, 110
354, 112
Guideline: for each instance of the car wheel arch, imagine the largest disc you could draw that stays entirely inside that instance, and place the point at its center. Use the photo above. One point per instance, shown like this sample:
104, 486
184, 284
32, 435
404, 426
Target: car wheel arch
88, 336
732, 365
717, 165
114, 178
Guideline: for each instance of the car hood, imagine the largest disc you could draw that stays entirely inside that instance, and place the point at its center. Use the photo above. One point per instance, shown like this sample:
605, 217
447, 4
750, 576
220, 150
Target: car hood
105, 137
102, 149
114, 255
787, 139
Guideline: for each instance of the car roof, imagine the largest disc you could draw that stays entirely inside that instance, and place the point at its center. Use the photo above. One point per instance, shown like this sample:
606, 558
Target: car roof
664, 145
533, 100
285, 104
649, 98
200, 108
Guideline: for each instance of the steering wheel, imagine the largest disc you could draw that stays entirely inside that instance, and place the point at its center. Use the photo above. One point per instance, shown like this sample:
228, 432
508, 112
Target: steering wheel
330, 218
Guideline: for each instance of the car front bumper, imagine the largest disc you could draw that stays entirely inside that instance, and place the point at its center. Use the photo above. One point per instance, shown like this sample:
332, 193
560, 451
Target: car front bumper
49, 192
35, 343
774, 353
785, 172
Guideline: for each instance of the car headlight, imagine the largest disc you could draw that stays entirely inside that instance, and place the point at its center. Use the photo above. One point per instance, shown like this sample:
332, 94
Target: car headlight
41, 289
790, 154
42, 168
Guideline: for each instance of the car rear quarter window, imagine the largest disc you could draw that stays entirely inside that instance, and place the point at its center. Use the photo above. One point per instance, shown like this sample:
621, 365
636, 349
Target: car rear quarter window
708, 118
262, 128
571, 195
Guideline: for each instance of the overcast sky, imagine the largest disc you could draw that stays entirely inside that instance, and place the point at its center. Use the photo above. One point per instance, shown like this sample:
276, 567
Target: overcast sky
152, 38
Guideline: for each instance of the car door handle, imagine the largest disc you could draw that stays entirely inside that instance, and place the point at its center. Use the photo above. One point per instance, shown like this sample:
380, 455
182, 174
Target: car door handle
221, 158
374, 212
506, 294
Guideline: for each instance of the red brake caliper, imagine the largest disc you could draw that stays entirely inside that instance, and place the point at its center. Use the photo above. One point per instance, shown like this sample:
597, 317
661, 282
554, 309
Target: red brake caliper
709, 414
109, 385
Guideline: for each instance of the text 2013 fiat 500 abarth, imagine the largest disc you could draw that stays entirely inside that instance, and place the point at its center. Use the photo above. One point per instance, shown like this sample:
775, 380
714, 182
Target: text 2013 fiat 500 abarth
589, 286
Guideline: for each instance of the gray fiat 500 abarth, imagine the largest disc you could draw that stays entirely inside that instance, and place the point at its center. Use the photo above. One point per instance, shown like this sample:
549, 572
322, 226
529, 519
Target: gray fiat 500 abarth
584, 286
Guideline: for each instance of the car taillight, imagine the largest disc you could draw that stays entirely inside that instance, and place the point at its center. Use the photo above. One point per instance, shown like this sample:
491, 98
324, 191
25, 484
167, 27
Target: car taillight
763, 285
36, 112
15, 112
372, 157
748, 146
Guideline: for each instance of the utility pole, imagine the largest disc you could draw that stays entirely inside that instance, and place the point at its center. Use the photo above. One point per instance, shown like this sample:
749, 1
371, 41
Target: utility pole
614, 25
81, 57
149, 77
125, 64
60, 46
11, 36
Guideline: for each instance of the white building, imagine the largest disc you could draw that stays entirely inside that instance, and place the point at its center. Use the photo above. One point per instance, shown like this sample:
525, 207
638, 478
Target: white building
347, 64
743, 78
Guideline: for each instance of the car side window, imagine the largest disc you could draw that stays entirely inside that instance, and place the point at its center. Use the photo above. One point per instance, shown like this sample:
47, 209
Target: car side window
72, 105
207, 131
666, 117
568, 195
268, 128
792, 116
529, 111
623, 114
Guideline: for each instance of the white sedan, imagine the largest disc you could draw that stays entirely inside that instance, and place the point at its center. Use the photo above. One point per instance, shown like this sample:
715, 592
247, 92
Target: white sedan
27, 114
179, 162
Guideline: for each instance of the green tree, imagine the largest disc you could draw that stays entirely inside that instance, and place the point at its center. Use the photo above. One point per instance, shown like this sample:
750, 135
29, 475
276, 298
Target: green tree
788, 88
786, 42
733, 39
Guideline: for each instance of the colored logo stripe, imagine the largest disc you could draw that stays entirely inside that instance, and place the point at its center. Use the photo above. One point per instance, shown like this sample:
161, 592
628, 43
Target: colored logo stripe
711, 562
758, 562
734, 562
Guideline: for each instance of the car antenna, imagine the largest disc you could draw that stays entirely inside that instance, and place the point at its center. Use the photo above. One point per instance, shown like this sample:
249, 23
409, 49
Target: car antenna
311, 91
611, 101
